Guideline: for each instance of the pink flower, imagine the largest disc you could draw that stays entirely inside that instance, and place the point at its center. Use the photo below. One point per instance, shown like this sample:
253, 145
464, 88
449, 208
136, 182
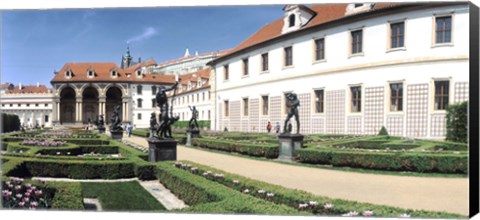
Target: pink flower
236, 182
328, 206
28, 185
27, 194
404, 215
17, 188
10, 186
261, 192
246, 191
19, 196
270, 195
21, 204
38, 193
34, 204
351, 214
33, 188
302, 205
6, 193
26, 200
312, 203
368, 213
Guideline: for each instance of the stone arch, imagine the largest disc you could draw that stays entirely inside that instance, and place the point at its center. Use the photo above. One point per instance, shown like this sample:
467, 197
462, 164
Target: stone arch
114, 97
89, 104
67, 105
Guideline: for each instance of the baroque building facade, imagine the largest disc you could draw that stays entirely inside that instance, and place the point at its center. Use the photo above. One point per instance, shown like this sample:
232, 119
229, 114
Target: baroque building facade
354, 67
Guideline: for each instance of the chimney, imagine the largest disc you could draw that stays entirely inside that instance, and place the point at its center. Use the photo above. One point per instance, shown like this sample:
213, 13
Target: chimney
196, 53
187, 53
38, 84
20, 86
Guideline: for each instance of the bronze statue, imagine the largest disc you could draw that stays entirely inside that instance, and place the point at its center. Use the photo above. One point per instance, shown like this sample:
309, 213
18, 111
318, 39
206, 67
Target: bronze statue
116, 122
192, 124
100, 123
294, 103
165, 120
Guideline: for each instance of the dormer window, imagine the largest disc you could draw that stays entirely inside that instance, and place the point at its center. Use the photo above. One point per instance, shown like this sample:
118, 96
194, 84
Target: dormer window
114, 74
68, 73
90, 73
358, 7
291, 20
139, 73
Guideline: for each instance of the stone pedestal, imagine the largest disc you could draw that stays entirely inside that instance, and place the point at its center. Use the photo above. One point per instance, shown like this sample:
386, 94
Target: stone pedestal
117, 135
101, 130
162, 149
192, 133
288, 144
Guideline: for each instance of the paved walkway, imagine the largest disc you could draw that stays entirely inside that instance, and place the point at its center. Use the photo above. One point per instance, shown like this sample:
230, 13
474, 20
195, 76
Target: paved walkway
428, 193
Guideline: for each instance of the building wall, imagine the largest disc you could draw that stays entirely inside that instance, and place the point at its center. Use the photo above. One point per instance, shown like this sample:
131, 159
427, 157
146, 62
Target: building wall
417, 66
38, 112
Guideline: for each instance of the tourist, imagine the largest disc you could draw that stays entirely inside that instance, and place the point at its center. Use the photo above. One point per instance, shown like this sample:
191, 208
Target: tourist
269, 127
129, 129
277, 127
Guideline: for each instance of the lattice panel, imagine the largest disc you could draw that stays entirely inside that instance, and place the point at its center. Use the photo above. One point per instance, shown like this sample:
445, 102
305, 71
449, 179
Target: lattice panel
304, 113
395, 125
235, 116
438, 125
374, 106
417, 110
354, 125
245, 124
461, 92
318, 125
335, 111
254, 115
275, 109
220, 117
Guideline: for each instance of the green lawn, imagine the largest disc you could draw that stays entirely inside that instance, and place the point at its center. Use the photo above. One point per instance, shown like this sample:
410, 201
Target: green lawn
122, 196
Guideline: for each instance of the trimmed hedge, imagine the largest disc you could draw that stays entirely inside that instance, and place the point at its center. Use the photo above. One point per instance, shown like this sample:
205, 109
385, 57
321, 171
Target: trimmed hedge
457, 122
209, 197
259, 150
184, 124
293, 197
452, 146
417, 162
10, 123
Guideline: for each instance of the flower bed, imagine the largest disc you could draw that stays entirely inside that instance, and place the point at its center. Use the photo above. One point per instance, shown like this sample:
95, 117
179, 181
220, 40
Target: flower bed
43, 143
300, 200
16, 194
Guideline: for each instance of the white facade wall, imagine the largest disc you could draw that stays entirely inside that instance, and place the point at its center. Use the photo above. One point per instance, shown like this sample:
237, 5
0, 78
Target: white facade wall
202, 104
147, 107
418, 64
32, 109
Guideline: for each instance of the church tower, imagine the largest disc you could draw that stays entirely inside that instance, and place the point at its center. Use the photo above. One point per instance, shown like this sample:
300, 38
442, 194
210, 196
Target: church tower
126, 59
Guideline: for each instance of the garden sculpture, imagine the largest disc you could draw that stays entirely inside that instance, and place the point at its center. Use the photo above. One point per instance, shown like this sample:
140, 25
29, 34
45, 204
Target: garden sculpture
294, 103
192, 124
116, 122
166, 120
100, 122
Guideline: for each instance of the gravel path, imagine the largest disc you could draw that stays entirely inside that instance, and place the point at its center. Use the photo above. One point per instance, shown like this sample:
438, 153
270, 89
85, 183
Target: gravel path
429, 193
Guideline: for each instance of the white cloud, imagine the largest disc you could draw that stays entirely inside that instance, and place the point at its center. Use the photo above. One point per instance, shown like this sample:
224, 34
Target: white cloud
147, 33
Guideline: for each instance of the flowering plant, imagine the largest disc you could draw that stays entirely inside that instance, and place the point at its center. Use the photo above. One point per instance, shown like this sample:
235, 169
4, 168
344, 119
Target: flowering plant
17, 195
43, 143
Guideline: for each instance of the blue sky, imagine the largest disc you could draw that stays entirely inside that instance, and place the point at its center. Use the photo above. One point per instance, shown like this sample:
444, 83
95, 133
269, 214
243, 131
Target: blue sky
34, 43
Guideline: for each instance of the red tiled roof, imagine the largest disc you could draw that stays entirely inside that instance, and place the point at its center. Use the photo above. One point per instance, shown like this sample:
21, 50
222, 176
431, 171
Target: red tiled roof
5, 85
28, 89
103, 74
324, 13
203, 74
147, 63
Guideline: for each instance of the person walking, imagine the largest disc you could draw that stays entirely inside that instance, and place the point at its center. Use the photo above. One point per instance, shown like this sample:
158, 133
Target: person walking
269, 127
277, 128
129, 129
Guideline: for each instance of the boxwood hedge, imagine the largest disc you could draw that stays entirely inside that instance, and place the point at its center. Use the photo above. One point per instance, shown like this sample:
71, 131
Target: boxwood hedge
259, 150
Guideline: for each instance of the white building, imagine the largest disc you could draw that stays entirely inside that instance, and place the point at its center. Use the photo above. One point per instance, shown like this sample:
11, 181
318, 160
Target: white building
194, 90
187, 64
354, 67
32, 104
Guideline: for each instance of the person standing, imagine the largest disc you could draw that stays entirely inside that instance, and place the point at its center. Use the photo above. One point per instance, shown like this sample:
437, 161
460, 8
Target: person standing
277, 128
269, 127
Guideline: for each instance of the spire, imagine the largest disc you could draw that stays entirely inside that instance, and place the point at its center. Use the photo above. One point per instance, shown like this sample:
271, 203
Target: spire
126, 59
196, 53
187, 53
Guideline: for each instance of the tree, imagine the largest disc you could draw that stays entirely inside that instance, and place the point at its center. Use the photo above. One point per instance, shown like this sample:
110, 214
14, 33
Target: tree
457, 122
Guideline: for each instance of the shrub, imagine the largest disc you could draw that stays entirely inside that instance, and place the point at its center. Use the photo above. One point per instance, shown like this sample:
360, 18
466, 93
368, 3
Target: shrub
259, 150
418, 162
457, 122
383, 131
10, 122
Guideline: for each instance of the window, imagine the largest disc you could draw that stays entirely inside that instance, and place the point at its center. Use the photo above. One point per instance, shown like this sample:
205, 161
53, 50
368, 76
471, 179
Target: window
139, 103
154, 90
441, 95
443, 29
11, 105
68, 73
319, 49
90, 73
245, 67
203, 96
356, 98
288, 56
114, 73
396, 97
154, 103
28, 105
198, 99
265, 105
3, 105
357, 5
208, 95
245, 107
46, 118
139, 73
291, 20
356, 41
46, 105
397, 35
287, 103
319, 101
265, 62
208, 114
19, 105
36, 105
225, 72
139, 116
226, 108
139, 90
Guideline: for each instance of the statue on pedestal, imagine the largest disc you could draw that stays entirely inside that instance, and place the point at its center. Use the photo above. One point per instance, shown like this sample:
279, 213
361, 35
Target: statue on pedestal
294, 103
166, 120
116, 122
192, 124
